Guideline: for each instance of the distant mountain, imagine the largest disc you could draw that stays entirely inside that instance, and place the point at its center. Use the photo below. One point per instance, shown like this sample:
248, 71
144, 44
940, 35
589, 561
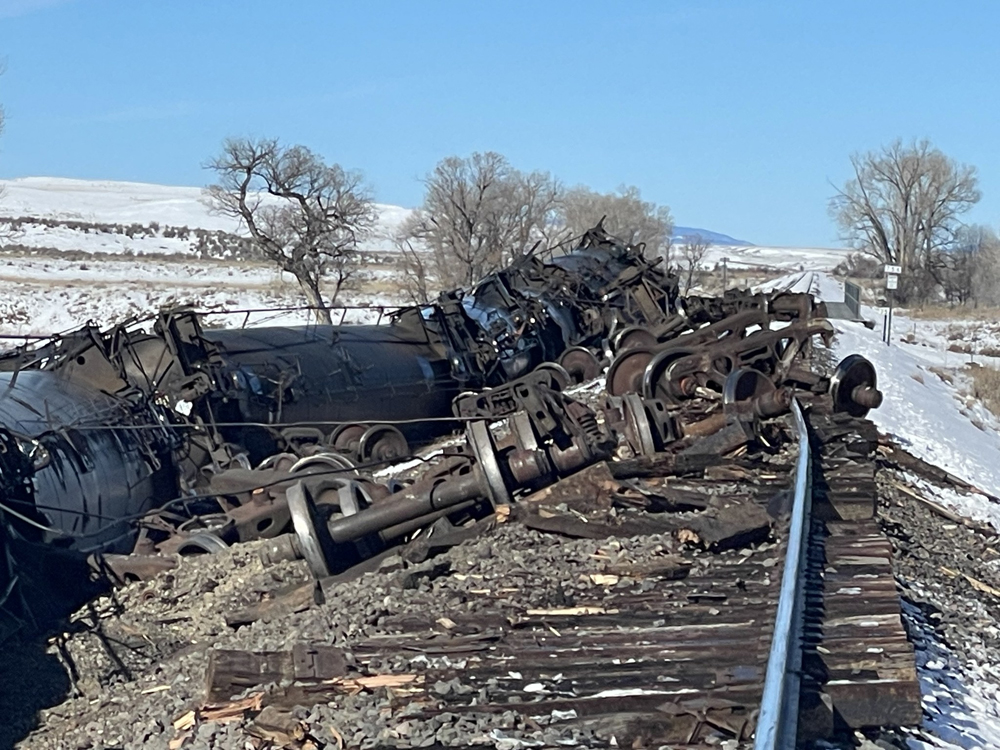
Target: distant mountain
681, 234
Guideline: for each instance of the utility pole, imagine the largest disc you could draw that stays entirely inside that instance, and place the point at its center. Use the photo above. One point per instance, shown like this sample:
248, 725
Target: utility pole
724, 274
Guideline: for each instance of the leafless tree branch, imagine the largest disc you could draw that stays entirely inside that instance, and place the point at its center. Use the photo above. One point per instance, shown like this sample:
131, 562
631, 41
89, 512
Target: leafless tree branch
692, 254
903, 206
478, 213
625, 215
301, 213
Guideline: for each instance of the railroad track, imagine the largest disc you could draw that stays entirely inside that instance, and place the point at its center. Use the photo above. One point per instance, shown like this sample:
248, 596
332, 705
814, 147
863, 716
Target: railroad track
730, 639
858, 665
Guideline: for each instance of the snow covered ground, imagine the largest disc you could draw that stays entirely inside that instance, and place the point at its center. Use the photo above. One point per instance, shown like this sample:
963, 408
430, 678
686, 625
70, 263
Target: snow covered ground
44, 295
101, 201
930, 417
775, 258
927, 407
961, 701
108, 251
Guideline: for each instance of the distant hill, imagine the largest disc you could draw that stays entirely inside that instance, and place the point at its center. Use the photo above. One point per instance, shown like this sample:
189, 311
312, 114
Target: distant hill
133, 218
681, 234
106, 251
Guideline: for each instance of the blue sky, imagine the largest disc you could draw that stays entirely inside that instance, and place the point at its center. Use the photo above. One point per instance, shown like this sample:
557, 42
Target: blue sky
738, 115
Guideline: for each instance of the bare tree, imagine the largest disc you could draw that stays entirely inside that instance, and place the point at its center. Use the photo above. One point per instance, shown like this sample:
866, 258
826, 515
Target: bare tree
625, 215
692, 254
416, 264
478, 212
986, 276
303, 214
974, 270
903, 206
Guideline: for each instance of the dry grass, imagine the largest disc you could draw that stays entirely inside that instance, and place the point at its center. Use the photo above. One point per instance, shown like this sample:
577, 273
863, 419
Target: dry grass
940, 312
986, 386
742, 278
946, 376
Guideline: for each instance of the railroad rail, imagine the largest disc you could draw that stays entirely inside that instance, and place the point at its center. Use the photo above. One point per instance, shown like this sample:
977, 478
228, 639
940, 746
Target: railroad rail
777, 723
839, 644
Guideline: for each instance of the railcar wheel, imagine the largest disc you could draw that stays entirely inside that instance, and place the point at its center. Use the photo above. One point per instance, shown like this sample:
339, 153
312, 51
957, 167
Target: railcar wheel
345, 438
560, 379
580, 364
202, 543
625, 373
655, 380
853, 386
322, 460
639, 431
484, 449
278, 462
306, 528
382, 443
632, 337
745, 385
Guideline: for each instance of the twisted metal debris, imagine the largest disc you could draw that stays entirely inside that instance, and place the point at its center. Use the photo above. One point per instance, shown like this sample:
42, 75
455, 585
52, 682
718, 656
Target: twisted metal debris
128, 446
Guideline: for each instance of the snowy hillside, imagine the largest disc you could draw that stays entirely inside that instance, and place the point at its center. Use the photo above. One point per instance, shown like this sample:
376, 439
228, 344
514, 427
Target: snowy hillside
133, 218
101, 216
928, 408
776, 258
106, 202
124, 249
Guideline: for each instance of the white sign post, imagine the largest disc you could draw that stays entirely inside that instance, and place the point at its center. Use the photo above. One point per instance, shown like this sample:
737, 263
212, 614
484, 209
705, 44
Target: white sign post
892, 273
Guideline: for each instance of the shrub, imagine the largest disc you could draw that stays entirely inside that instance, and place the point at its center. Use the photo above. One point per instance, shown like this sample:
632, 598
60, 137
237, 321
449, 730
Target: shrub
859, 266
986, 386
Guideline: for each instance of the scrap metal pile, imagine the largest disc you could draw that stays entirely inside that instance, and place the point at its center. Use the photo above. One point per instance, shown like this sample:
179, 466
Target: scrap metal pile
128, 447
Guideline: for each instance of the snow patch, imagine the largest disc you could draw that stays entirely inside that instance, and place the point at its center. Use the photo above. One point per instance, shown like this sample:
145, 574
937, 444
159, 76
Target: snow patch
961, 702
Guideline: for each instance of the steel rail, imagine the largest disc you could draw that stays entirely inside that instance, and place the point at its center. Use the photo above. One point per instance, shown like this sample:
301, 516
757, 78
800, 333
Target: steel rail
777, 721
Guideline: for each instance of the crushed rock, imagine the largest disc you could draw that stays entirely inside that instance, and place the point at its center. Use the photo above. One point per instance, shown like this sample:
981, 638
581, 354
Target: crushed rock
139, 654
